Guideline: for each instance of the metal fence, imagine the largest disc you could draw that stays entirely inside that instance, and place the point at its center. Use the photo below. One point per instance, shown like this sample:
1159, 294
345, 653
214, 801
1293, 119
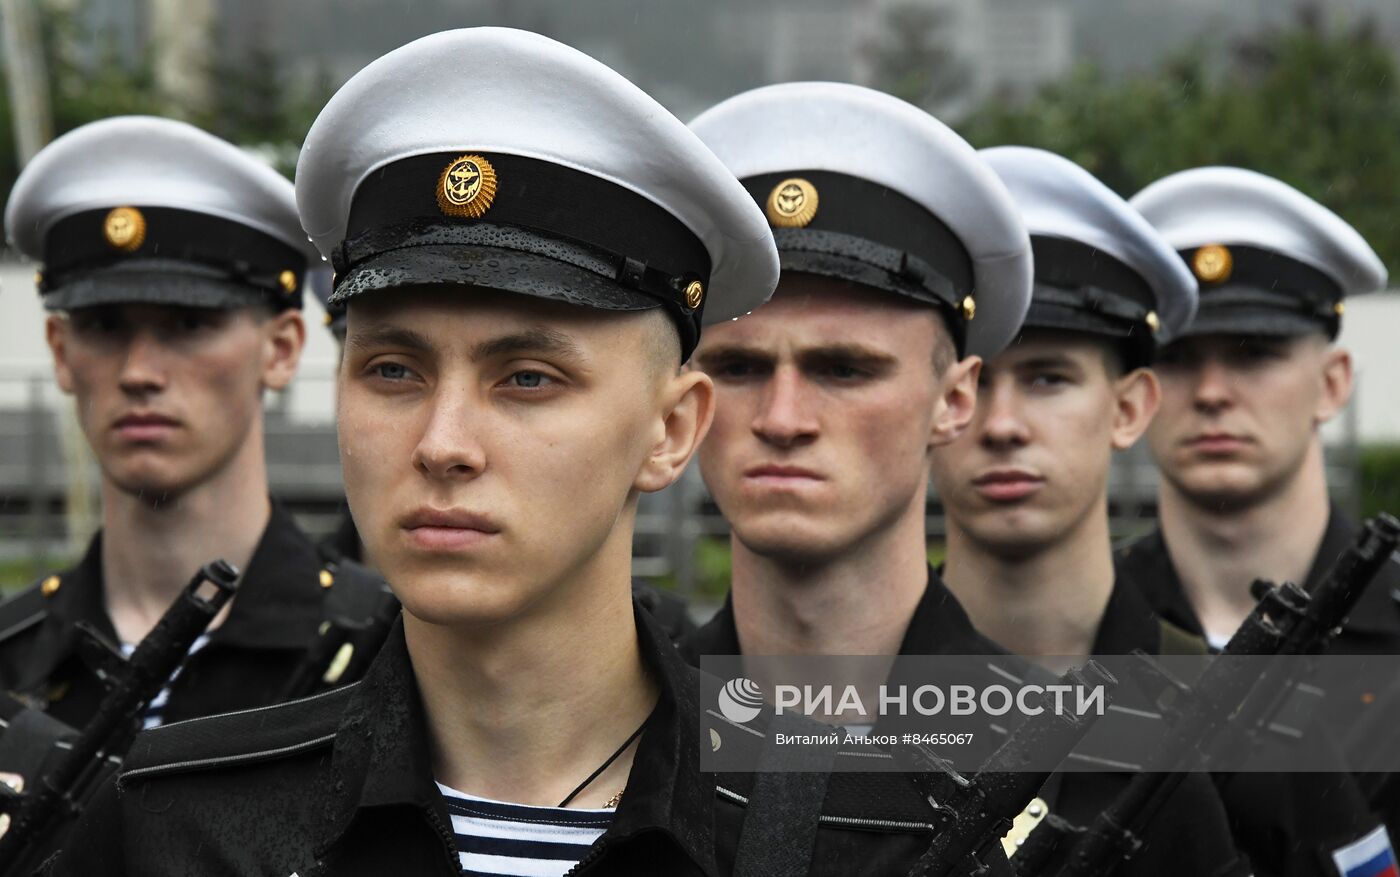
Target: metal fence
49, 482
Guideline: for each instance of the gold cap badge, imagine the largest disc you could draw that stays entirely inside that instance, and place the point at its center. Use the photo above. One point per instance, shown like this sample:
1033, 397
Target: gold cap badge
969, 308
288, 281
467, 187
792, 203
694, 294
125, 229
1213, 263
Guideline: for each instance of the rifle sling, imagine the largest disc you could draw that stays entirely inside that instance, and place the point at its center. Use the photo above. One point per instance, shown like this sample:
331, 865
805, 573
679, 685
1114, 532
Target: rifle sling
779, 832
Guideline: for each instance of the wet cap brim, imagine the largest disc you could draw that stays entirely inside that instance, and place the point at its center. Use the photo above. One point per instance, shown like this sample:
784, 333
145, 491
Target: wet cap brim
1135, 340
159, 282
862, 272
1255, 320
466, 265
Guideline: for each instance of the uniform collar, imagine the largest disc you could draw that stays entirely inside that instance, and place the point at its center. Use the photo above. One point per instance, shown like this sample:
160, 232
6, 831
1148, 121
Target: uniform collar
1147, 564
1128, 623
279, 596
381, 753
939, 626
79, 596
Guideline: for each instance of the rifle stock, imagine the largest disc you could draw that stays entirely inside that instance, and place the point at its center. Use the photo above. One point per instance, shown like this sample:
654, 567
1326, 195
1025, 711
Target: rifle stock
1230, 698
58, 792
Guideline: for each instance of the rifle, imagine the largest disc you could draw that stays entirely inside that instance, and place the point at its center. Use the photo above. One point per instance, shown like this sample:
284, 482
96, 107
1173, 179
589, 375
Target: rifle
75, 766
975, 813
1230, 697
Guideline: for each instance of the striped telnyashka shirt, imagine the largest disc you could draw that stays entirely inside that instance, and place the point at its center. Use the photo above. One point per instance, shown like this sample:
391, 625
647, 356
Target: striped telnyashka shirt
155, 710
496, 839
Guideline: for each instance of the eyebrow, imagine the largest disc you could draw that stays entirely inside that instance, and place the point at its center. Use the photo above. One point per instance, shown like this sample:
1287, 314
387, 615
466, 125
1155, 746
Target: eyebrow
538, 340
389, 336
1048, 360
818, 353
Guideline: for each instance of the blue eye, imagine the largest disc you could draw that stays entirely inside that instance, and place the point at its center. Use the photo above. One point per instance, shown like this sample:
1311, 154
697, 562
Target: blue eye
528, 380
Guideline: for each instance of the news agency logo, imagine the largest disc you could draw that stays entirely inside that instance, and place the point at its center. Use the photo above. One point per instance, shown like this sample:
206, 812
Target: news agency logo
740, 700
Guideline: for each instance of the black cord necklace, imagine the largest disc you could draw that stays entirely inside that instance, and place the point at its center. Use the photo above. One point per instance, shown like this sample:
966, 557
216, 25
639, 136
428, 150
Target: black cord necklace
604, 766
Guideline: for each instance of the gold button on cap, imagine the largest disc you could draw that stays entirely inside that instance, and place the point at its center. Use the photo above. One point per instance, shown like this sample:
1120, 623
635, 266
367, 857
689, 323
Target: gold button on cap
51, 586
969, 308
326, 578
694, 294
1153, 322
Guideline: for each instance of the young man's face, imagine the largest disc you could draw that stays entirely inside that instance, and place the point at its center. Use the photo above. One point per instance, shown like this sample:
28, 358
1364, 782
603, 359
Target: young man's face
1034, 465
829, 402
167, 395
1239, 413
493, 445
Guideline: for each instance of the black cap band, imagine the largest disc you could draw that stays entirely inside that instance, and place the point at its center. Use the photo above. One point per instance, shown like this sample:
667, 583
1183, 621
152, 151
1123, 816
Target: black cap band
1266, 293
1080, 288
538, 209
82, 245
870, 234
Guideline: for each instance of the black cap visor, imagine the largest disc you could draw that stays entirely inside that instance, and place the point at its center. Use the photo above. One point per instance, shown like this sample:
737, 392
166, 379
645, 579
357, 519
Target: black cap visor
507, 270
154, 281
854, 270
1241, 310
1133, 339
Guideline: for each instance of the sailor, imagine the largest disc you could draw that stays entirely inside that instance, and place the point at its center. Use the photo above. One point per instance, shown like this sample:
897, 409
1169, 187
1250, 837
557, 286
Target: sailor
528, 247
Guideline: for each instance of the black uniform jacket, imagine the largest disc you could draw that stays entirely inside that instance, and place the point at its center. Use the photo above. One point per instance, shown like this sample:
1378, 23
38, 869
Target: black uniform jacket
1190, 834
1372, 629
939, 626
342, 784
1305, 815
273, 619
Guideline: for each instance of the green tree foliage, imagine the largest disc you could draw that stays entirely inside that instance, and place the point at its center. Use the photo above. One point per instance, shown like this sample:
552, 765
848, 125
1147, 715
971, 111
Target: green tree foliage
252, 99
1317, 108
254, 102
911, 59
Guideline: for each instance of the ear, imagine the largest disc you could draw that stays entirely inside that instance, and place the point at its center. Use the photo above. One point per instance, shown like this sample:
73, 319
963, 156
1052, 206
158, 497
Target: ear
957, 403
1136, 398
56, 329
688, 406
284, 336
1337, 381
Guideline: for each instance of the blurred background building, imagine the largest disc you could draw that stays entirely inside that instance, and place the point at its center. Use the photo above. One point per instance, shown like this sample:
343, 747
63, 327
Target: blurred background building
1131, 89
